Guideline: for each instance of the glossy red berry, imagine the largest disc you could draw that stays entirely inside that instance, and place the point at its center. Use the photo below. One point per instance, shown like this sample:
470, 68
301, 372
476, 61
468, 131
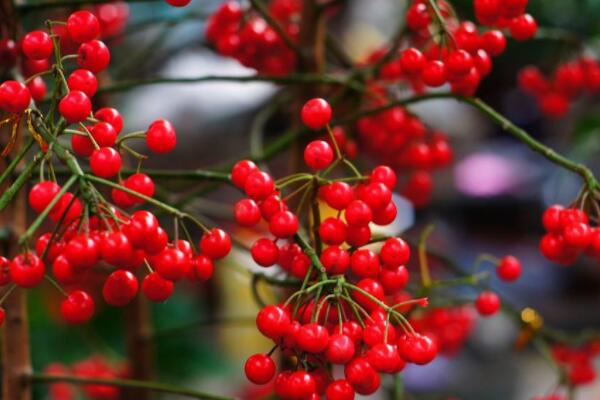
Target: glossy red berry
312, 338
83, 26
161, 137
4, 271
141, 183
509, 269
111, 116
339, 390
240, 172
215, 244
27, 270
93, 55
81, 252
105, 162
385, 358
283, 224
37, 88
75, 106
273, 322
171, 264
259, 369
14, 96
393, 279
83, 81
332, 231
316, 113
247, 213
77, 308
300, 385
373, 288
340, 349
142, 226
412, 61
37, 45
577, 235
523, 27
434, 73
41, 194
365, 263
358, 213
318, 154
120, 288
335, 260
259, 185
361, 375
417, 349
264, 252
338, 195
459, 63
494, 42
156, 288
487, 303
178, 3
394, 252
202, 268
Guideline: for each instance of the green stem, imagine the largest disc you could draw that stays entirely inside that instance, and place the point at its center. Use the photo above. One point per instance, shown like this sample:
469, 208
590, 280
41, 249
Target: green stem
28, 7
15, 161
129, 383
21, 180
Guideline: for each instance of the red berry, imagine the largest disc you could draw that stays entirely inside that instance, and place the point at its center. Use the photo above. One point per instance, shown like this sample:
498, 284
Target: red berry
93, 55
385, 358
27, 270
75, 106
41, 194
171, 264
339, 390
373, 288
434, 73
332, 231
259, 185
494, 42
240, 172
412, 61
37, 45
178, 3
393, 280
358, 213
577, 235
140, 183
111, 116
376, 194
215, 244
300, 385
247, 212
340, 349
338, 195
83, 26
4, 271
458, 64
142, 226
487, 303
364, 263
81, 252
63, 271
115, 248
385, 175
312, 338
361, 375
335, 260
202, 268
37, 88
83, 81
161, 137
523, 27
77, 308
14, 96
509, 269
259, 369
318, 154
264, 252
156, 288
105, 162
273, 322
316, 113
283, 224
394, 252
416, 348
120, 288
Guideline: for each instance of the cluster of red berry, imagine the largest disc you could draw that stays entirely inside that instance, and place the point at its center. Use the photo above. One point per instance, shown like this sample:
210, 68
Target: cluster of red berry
401, 140
95, 367
506, 14
577, 362
569, 234
449, 326
568, 82
251, 40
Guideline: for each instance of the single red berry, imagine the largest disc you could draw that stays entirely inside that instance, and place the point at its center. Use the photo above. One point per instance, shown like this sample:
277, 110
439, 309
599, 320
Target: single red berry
365, 263
332, 231
37, 88
312, 338
259, 185
259, 369
316, 113
215, 244
434, 73
459, 63
417, 349
340, 349
394, 252
161, 137
318, 154
2, 316
171, 264
247, 213
300, 385
27, 270
63, 271
385, 358
41, 194
8, 53
156, 288
81, 252
115, 248
340, 389
240, 172
77, 308
577, 235
14, 97
156, 242
37, 45
140, 183
412, 61
338, 195
385, 175
509, 268
372, 287
93, 55
273, 322
494, 42
111, 116
358, 235
523, 27
83, 81
376, 194
487, 303
202, 268
284, 224
120, 288
358, 213
4, 271
75, 106
264, 252
83, 26
335, 260
393, 279
105, 162
142, 226
362, 376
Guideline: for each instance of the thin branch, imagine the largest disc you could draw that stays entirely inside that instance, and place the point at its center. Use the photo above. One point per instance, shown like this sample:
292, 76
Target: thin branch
26, 8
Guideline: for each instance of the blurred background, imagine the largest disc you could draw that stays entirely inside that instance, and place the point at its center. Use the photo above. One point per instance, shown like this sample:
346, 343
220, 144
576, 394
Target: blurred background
489, 201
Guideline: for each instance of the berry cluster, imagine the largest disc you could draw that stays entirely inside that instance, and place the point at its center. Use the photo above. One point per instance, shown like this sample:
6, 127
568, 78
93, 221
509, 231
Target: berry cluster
250, 39
402, 141
96, 367
569, 234
508, 14
568, 82
450, 326
577, 362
